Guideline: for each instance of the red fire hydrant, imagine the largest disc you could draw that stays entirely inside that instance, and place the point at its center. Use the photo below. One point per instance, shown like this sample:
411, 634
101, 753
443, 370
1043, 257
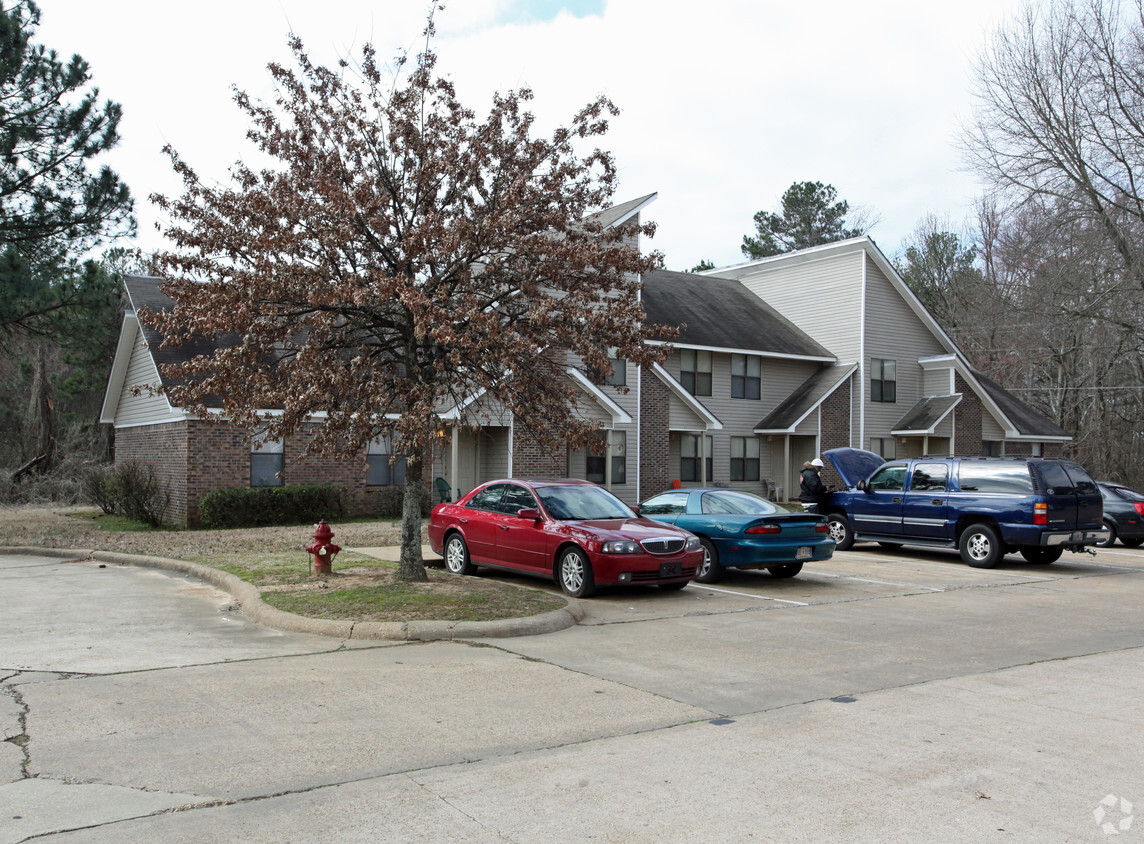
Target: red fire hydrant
321, 549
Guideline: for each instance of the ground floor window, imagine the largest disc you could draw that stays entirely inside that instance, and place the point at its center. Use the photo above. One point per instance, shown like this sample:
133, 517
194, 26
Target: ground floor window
992, 448
267, 460
690, 455
887, 447
380, 470
745, 458
596, 465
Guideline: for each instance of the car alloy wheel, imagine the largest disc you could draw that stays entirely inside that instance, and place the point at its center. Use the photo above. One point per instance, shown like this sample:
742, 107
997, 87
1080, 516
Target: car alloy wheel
457, 555
575, 574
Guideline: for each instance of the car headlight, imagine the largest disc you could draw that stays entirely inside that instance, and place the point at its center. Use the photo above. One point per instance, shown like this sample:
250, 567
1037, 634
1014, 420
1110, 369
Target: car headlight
621, 546
693, 543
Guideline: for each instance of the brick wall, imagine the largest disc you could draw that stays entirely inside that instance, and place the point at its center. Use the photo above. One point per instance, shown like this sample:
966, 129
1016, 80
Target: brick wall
655, 439
530, 460
967, 420
835, 422
164, 447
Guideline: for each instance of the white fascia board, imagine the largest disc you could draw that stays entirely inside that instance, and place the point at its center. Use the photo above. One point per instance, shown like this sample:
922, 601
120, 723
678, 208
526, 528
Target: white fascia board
802, 256
618, 414
713, 423
651, 198
454, 415
115, 381
738, 351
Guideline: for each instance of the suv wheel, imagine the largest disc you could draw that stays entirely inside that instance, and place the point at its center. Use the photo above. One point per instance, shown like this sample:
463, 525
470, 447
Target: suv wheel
840, 531
980, 546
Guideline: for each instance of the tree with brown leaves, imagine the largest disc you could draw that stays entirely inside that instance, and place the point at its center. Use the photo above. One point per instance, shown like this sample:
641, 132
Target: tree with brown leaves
400, 258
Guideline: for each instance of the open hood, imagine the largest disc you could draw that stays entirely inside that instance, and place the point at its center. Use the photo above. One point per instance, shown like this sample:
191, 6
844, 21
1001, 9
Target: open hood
853, 464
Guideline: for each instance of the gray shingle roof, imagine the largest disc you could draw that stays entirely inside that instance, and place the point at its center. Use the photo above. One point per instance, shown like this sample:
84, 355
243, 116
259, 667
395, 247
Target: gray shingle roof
808, 395
721, 313
924, 415
1029, 422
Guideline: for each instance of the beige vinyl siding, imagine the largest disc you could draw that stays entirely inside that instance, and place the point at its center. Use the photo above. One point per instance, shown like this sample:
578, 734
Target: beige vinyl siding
822, 297
144, 408
680, 417
893, 332
937, 382
991, 429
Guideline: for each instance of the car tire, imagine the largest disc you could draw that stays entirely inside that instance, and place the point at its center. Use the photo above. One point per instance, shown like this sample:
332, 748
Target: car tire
840, 531
673, 587
785, 570
1111, 536
457, 555
710, 571
980, 546
1131, 543
574, 573
1035, 554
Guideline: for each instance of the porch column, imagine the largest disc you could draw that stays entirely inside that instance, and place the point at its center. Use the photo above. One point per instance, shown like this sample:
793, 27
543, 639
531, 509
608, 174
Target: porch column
607, 458
786, 465
703, 458
454, 457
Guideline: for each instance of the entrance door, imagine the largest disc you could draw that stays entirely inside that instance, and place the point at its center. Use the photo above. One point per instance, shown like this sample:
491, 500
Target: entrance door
468, 459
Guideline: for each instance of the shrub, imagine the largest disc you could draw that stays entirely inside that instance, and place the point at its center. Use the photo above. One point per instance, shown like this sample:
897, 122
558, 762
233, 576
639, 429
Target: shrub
281, 505
98, 488
390, 501
133, 490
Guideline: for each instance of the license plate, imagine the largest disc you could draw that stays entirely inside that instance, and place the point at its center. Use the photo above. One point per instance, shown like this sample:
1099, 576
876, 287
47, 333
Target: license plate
671, 570
804, 553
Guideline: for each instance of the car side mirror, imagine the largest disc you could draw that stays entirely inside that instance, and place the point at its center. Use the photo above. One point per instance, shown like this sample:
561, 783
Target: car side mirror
528, 513
862, 486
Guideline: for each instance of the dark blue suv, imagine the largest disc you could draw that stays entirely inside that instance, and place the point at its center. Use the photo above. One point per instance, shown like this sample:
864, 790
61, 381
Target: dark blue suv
985, 507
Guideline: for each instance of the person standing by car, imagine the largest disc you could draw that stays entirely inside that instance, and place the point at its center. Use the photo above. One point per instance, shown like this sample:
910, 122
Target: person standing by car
812, 490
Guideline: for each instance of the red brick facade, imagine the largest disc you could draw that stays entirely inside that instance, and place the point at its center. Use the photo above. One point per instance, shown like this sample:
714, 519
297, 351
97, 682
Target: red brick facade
530, 460
655, 469
195, 458
967, 437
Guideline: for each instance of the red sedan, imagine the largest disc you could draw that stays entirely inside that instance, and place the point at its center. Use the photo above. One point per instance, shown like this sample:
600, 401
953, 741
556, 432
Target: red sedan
574, 532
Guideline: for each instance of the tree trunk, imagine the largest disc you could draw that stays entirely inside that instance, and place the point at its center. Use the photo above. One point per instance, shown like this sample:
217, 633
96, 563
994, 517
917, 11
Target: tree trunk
41, 413
411, 565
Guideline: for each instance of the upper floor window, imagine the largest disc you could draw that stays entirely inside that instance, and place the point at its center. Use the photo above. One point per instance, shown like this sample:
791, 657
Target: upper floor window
883, 380
380, 470
744, 458
267, 460
695, 371
746, 376
619, 376
596, 465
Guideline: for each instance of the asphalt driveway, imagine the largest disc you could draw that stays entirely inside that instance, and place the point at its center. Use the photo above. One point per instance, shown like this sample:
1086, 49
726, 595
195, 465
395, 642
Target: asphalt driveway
877, 697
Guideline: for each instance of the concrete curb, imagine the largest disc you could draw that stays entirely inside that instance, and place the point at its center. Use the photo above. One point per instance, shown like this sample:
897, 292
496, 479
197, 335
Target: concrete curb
250, 599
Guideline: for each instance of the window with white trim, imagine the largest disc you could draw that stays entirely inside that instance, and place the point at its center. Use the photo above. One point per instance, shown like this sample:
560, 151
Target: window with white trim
689, 467
746, 377
267, 460
883, 380
381, 469
887, 447
596, 466
745, 456
695, 371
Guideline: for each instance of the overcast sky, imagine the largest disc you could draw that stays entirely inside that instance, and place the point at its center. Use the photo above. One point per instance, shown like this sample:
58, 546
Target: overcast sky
725, 102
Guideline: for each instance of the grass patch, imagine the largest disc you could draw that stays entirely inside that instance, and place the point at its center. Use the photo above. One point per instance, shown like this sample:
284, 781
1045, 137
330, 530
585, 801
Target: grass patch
444, 598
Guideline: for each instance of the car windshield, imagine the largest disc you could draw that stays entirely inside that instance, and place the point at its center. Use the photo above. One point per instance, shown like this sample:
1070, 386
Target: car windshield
737, 502
580, 502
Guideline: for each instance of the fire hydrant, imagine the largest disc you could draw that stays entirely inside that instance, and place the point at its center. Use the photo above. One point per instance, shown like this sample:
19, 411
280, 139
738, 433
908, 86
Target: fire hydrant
321, 549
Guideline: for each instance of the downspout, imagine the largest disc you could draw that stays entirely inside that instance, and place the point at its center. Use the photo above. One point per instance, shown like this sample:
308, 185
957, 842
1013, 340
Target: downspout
862, 356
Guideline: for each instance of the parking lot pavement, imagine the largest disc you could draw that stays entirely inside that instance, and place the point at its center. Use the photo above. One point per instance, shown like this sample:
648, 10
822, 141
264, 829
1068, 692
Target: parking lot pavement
911, 698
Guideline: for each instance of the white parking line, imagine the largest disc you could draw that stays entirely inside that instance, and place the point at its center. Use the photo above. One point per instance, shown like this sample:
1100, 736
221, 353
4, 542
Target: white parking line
879, 582
953, 563
747, 595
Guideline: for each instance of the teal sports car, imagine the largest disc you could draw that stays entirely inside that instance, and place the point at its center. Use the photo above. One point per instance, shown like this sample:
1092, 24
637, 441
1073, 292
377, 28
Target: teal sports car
742, 530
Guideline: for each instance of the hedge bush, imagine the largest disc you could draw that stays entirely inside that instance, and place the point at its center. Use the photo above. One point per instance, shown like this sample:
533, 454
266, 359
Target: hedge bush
391, 499
131, 489
279, 505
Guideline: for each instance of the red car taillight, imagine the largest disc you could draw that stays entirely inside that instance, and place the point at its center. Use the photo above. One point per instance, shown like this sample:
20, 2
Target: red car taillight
1041, 514
763, 529
1139, 505
822, 528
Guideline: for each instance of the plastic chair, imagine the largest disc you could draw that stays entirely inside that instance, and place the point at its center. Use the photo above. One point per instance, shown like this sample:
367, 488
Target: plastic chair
443, 489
